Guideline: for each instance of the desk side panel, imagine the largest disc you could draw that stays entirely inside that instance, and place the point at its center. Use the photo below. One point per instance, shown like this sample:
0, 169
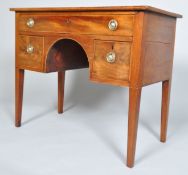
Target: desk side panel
158, 44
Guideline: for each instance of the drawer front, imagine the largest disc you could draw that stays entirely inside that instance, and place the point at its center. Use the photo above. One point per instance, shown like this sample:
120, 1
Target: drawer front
111, 61
90, 24
30, 52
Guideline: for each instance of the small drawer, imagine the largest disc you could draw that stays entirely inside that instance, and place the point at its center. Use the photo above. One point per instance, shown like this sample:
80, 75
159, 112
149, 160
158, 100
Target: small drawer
30, 52
80, 24
111, 61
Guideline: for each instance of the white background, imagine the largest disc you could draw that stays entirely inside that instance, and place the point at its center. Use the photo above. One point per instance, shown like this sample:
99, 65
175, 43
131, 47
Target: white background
90, 137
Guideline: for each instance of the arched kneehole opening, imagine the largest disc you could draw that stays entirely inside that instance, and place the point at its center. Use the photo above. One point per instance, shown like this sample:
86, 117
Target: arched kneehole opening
66, 54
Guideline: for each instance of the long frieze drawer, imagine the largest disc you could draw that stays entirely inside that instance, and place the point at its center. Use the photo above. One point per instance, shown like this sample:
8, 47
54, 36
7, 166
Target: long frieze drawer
90, 24
111, 61
30, 52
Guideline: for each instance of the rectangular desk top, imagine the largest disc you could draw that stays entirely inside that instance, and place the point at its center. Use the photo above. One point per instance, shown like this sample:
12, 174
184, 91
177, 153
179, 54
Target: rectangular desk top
98, 9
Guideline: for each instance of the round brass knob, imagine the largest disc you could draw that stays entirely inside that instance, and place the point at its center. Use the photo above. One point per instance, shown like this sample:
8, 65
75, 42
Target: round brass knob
111, 57
30, 49
30, 22
113, 24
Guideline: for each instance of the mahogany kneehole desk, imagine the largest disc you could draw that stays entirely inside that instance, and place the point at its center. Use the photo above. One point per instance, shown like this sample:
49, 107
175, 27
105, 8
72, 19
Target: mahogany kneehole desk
124, 46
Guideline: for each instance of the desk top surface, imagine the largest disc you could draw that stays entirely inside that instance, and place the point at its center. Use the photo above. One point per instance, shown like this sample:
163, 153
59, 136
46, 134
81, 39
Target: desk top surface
98, 9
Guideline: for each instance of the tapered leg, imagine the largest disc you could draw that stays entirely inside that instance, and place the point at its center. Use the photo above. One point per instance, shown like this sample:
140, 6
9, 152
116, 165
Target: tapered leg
166, 88
134, 106
61, 82
19, 95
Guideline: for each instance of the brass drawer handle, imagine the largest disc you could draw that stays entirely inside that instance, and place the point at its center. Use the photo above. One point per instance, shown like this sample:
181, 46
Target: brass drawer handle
30, 49
113, 24
30, 22
111, 57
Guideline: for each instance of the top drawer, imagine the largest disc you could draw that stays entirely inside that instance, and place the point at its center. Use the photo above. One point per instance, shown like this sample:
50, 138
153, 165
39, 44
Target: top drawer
84, 24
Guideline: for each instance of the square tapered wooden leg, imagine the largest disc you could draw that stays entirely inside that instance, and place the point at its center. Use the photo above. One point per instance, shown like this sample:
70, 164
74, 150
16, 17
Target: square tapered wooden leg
166, 88
134, 107
19, 78
61, 84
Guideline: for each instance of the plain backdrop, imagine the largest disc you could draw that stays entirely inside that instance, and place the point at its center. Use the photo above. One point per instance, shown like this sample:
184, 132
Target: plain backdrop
90, 137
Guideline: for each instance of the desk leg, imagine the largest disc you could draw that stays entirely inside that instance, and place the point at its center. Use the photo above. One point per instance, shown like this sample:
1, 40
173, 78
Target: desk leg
61, 83
19, 95
134, 106
166, 88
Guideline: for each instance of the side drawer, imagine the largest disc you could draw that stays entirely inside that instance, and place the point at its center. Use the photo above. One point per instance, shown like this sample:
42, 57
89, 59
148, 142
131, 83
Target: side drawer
111, 62
30, 52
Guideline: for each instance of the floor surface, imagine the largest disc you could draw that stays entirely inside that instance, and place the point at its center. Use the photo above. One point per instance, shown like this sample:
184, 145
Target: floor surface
90, 137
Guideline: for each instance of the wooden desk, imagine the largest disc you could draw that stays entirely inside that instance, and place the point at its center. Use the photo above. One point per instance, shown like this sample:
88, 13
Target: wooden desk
124, 46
